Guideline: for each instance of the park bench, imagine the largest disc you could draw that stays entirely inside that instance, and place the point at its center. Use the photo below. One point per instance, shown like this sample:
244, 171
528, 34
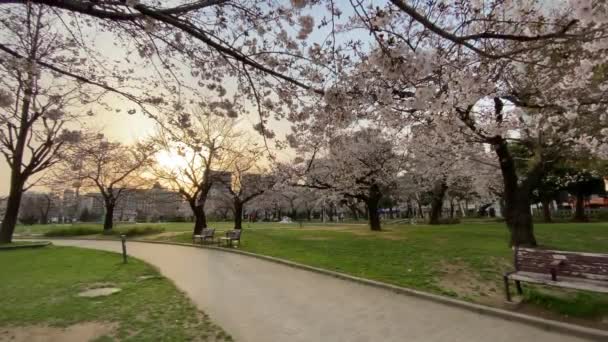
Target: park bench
231, 236
572, 270
206, 234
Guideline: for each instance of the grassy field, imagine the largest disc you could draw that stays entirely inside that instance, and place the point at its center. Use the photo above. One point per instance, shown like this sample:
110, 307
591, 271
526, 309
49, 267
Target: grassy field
465, 261
39, 293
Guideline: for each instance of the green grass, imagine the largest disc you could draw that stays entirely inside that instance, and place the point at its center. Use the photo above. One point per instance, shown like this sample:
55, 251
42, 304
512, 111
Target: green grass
438, 259
39, 286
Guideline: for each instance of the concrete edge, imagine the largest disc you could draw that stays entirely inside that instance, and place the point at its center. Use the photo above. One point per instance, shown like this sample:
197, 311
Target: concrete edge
546, 324
33, 245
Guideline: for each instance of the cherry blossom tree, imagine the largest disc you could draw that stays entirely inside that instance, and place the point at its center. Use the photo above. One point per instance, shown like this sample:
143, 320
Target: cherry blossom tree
354, 164
249, 179
109, 167
204, 144
534, 76
38, 111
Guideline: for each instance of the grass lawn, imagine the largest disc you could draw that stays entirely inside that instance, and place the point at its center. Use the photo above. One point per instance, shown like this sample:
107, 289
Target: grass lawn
465, 261
39, 291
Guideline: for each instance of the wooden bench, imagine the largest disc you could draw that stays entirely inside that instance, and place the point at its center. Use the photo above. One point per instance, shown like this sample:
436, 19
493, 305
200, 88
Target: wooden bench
206, 234
231, 236
572, 270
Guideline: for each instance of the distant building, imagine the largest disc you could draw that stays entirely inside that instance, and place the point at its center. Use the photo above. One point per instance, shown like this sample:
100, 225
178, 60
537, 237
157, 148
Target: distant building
143, 205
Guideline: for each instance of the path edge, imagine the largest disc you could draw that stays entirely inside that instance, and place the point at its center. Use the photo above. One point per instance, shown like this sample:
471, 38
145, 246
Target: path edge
39, 244
542, 323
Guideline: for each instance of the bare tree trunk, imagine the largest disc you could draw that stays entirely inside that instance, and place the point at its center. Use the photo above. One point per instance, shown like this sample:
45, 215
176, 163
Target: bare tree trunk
108, 222
451, 208
546, 210
200, 219
18, 178
372, 201
437, 202
517, 198
579, 209
12, 210
355, 211
374, 216
419, 205
238, 213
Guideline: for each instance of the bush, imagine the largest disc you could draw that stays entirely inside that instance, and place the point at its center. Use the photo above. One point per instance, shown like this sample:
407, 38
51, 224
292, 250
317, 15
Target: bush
128, 231
601, 215
137, 231
28, 220
447, 220
73, 231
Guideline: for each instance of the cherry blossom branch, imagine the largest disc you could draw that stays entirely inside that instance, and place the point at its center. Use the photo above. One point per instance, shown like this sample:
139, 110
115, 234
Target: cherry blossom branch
464, 40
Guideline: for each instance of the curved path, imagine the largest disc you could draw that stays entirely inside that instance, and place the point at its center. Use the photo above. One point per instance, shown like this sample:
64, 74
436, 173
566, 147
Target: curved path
258, 300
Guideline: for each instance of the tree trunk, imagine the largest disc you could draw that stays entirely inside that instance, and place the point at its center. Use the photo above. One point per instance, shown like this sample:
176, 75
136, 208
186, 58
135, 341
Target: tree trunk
420, 212
372, 201
238, 213
294, 214
374, 216
410, 210
354, 211
12, 210
579, 209
108, 222
437, 202
200, 219
451, 208
516, 198
546, 210
18, 178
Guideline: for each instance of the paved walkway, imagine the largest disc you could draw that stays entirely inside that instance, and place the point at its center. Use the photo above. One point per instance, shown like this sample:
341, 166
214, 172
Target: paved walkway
257, 300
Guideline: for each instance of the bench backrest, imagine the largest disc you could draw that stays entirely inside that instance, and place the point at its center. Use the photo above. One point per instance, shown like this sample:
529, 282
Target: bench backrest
568, 264
234, 234
208, 232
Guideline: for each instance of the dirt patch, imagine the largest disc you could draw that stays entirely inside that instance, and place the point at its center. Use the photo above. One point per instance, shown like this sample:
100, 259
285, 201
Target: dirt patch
99, 292
342, 226
163, 235
90, 286
148, 277
74, 333
384, 234
314, 238
457, 277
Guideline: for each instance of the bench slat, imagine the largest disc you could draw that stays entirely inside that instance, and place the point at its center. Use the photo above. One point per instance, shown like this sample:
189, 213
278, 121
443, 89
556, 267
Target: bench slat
566, 282
593, 266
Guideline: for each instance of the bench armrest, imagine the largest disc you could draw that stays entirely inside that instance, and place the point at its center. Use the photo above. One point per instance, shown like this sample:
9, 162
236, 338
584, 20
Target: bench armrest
554, 266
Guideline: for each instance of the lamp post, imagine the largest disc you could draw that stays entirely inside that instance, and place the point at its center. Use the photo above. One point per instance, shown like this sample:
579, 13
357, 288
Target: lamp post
123, 238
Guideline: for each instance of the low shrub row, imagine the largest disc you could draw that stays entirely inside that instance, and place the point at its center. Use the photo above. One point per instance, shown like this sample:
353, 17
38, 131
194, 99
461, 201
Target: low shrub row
72, 231
128, 231
136, 231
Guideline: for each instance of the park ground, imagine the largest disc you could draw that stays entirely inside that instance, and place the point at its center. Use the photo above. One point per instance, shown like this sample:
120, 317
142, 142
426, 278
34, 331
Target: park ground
464, 261
40, 300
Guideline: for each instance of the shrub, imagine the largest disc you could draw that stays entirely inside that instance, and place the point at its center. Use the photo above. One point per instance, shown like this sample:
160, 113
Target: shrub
447, 220
137, 231
28, 220
601, 215
73, 231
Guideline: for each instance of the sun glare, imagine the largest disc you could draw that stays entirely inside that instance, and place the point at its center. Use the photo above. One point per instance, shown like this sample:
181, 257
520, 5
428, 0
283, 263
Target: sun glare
170, 160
